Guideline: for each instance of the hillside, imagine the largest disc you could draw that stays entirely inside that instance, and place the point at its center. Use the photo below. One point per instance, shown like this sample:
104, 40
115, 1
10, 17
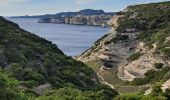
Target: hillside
34, 68
135, 54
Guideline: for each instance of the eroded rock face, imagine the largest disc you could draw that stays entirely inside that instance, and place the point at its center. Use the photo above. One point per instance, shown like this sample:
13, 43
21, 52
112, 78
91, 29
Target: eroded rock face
115, 48
113, 51
114, 21
137, 68
166, 85
42, 88
103, 47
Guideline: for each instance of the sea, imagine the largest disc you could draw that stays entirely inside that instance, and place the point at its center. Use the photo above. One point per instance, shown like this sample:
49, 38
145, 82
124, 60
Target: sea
71, 39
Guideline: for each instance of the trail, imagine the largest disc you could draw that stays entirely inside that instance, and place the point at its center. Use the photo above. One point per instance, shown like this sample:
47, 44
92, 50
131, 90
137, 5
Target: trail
103, 81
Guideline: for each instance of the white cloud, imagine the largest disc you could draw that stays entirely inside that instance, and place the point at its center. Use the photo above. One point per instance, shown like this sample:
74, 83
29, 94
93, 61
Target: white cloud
148, 1
85, 1
5, 2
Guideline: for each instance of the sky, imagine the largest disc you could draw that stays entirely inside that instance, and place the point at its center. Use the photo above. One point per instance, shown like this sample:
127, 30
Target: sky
38, 7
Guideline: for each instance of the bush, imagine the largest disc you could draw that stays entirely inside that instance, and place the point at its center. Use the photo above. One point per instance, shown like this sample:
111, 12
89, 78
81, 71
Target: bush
68, 93
156, 94
167, 93
139, 96
134, 56
9, 88
166, 51
149, 45
158, 65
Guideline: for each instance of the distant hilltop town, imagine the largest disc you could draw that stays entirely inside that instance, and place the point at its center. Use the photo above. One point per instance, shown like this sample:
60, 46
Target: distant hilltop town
83, 17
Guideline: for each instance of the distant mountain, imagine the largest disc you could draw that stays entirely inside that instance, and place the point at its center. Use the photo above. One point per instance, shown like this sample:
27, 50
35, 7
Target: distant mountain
91, 12
87, 12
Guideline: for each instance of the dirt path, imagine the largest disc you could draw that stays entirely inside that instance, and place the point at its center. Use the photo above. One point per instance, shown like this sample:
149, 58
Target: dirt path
103, 81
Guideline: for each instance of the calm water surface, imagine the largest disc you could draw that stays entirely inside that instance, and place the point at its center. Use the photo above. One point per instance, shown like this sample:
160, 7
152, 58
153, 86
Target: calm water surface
71, 39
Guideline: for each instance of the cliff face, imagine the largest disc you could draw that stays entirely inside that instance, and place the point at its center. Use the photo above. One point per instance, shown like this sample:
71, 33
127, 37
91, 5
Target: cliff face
136, 50
97, 20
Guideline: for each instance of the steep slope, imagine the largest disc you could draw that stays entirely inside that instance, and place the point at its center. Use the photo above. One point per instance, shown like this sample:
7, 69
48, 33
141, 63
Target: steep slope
136, 52
36, 66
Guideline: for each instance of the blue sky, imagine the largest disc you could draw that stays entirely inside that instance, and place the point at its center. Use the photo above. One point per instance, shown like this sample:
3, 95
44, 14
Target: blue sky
37, 7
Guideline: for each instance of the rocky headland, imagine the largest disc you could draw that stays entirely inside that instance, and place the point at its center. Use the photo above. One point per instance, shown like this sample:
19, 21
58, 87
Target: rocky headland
135, 54
96, 20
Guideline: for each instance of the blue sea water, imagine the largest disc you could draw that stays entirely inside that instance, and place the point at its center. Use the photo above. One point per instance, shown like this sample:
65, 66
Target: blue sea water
71, 39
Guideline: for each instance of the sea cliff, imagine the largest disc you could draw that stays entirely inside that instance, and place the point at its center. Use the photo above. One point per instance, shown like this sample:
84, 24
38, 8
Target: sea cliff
96, 20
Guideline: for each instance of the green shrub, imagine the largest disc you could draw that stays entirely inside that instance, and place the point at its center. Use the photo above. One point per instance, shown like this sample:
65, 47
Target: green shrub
158, 65
166, 51
134, 56
156, 94
161, 35
138, 96
75, 94
9, 89
167, 93
149, 45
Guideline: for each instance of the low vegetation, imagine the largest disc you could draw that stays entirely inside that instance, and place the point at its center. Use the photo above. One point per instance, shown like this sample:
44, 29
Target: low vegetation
134, 56
156, 94
75, 94
153, 76
145, 17
9, 88
152, 21
158, 65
